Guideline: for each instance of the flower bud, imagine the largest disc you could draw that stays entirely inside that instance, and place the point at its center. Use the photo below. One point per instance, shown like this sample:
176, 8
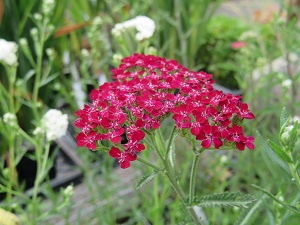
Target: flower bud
151, 50
10, 119
51, 28
37, 16
85, 53
285, 136
23, 42
117, 58
50, 53
97, 21
69, 191
34, 34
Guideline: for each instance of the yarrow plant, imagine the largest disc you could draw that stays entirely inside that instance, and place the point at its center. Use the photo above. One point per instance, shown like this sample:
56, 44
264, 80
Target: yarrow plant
148, 89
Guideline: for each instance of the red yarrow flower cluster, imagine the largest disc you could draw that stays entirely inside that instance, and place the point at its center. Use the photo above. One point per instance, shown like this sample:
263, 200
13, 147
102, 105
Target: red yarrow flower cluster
146, 90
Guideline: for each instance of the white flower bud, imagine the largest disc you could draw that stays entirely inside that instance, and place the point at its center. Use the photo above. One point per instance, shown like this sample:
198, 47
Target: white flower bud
97, 21
85, 52
23, 41
10, 119
287, 83
224, 159
117, 58
34, 33
49, 52
37, 16
69, 191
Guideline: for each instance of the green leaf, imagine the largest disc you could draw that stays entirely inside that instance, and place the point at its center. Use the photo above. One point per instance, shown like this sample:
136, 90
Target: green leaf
28, 75
145, 179
226, 199
283, 117
290, 207
248, 214
275, 160
48, 79
280, 152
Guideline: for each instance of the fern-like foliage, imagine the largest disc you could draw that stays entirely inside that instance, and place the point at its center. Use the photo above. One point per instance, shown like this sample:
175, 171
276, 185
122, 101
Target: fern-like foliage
226, 199
145, 179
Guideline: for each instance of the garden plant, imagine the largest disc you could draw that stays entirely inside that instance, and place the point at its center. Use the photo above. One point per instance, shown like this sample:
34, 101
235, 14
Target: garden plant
178, 112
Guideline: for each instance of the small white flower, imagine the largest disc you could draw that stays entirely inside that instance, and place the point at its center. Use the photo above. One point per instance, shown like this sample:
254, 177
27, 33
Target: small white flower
287, 83
85, 52
55, 124
223, 159
143, 24
8, 52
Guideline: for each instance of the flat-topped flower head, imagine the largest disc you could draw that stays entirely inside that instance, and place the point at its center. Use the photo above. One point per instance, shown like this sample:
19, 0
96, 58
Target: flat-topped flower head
55, 124
146, 90
8, 53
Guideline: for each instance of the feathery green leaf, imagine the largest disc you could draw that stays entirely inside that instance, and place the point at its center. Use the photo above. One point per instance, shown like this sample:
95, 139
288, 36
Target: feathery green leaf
145, 179
226, 199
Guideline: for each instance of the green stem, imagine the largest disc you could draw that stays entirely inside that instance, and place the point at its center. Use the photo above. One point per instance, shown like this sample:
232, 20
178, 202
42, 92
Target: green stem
38, 70
11, 166
195, 165
12, 78
170, 175
293, 170
149, 164
41, 160
170, 141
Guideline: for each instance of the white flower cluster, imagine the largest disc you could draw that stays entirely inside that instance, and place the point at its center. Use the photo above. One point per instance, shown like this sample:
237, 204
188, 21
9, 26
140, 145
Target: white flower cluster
55, 124
8, 50
143, 24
